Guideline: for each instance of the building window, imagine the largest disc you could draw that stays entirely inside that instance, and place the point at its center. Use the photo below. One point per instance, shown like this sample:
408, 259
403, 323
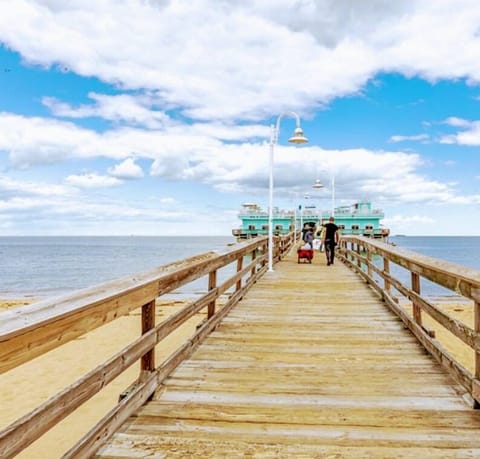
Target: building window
251, 227
279, 227
355, 227
264, 227
368, 227
342, 227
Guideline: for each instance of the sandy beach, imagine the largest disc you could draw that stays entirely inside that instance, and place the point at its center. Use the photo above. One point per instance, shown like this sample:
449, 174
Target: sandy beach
24, 388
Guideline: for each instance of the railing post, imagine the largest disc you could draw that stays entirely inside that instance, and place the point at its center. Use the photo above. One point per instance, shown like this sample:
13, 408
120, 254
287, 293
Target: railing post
359, 263
254, 257
239, 268
264, 251
386, 270
212, 284
369, 262
147, 363
275, 247
416, 310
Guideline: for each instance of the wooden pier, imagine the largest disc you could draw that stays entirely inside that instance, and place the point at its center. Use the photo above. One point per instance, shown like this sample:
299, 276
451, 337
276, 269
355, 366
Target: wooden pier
311, 363
308, 361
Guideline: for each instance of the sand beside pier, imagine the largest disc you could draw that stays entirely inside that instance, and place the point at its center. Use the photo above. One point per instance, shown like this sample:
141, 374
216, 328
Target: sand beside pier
23, 389
26, 387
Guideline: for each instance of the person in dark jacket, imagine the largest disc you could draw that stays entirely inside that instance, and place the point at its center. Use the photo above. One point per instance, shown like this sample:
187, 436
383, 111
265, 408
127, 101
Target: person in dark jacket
330, 240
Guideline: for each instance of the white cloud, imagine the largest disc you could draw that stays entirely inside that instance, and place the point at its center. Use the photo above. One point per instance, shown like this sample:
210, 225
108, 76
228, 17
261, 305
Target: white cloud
457, 122
469, 135
403, 138
121, 108
127, 169
9, 187
182, 154
37, 140
191, 80
258, 48
92, 180
408, 219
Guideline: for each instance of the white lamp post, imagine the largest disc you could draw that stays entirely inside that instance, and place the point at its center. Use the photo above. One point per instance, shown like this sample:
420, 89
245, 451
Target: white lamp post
295, 222
319, 185
304, 206
297, 138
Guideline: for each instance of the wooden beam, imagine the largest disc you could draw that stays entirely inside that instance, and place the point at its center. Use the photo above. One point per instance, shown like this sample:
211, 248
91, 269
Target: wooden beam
148, 322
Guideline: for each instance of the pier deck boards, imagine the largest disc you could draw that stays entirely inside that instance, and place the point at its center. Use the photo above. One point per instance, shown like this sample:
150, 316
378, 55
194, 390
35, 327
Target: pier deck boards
309, 364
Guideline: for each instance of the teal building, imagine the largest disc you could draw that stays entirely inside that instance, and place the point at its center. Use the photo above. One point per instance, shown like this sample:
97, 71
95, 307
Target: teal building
357, 219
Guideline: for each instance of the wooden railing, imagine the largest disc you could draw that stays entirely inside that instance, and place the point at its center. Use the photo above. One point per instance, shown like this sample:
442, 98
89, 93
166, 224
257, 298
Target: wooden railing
372, 259
30, 331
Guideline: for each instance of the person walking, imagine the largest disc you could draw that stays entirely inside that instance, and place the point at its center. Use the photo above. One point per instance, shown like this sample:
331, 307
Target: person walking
319, 235
330, 240
308, 237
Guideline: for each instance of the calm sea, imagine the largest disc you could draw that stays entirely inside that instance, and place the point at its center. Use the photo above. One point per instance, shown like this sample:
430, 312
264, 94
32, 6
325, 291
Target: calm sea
50, 266
462, 250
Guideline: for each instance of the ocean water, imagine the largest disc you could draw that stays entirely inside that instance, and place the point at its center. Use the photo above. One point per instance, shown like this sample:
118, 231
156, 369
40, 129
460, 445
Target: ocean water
50, 266
461, 250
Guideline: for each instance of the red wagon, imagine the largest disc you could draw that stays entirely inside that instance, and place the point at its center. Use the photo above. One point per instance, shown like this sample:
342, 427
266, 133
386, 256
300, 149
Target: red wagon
305, 254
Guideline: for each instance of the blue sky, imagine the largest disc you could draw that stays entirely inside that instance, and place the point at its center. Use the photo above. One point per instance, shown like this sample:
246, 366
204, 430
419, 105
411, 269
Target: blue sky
153, 117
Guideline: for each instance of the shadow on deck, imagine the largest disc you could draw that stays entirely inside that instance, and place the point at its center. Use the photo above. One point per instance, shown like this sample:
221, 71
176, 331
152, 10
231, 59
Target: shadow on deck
311, 363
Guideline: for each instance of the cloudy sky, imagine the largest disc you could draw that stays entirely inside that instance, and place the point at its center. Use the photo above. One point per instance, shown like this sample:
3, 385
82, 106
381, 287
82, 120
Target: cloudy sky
153, 116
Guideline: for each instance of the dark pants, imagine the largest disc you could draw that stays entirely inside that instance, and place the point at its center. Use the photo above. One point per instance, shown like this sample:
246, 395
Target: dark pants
330, 251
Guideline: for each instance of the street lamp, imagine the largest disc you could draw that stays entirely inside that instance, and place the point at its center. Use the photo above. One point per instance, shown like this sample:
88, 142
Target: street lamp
297, 138
319, 185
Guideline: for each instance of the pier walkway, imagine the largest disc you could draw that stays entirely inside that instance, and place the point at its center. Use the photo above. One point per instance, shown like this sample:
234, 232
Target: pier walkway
309, 364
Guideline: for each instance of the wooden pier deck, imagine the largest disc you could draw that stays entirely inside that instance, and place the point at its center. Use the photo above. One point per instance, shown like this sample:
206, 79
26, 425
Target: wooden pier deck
309, 364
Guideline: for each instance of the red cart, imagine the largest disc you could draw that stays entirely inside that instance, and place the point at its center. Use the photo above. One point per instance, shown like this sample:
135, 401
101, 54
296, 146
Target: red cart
305, 254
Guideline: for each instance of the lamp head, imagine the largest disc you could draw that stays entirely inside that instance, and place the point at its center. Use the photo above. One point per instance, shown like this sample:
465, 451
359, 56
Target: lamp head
317, 184
298, 137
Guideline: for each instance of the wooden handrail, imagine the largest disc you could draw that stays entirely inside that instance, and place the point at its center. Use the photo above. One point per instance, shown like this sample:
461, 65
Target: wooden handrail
459, 279
30, 331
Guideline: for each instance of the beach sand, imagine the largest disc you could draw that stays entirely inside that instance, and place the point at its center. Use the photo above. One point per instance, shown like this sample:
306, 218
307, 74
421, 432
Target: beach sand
24, 388
462, 310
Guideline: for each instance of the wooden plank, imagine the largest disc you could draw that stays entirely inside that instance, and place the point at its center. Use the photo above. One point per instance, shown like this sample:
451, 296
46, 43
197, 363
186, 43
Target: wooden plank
310, 363
457, 328
100, 433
